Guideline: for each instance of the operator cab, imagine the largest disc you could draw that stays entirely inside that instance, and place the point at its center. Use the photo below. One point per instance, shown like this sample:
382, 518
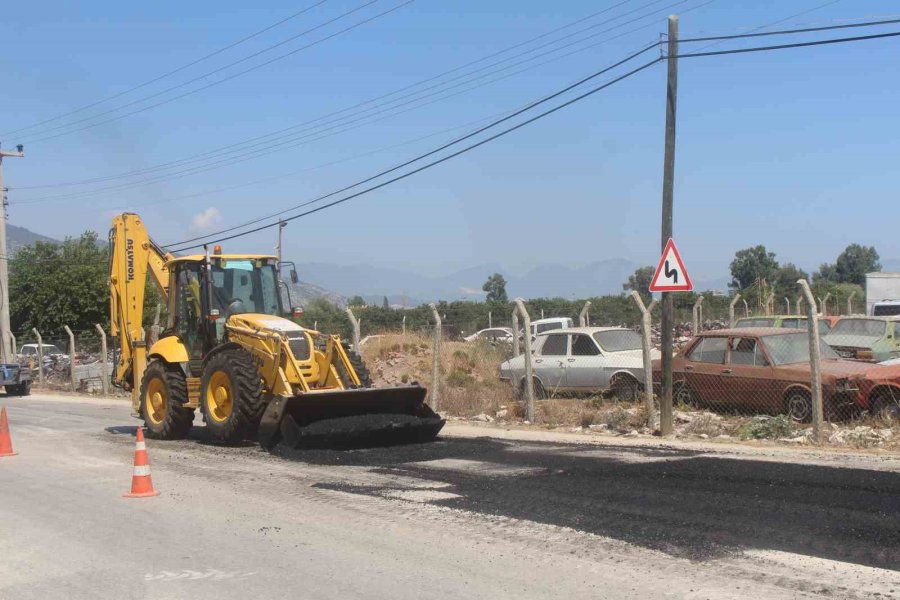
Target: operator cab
201, 298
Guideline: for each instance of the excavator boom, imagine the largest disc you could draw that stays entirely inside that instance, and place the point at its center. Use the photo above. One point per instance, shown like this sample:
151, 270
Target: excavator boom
133, 255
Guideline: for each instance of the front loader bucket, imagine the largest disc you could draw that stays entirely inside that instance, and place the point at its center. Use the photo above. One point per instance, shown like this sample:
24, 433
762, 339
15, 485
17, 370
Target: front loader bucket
349, 418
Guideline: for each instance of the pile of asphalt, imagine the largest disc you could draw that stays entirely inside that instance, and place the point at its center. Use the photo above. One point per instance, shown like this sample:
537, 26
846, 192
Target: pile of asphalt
366, 430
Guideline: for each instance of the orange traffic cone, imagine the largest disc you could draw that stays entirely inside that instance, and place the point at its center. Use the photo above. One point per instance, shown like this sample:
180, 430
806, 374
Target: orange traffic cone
141, 484
5, 441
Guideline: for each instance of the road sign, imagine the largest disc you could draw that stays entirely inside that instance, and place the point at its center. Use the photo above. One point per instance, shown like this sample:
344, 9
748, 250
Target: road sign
670, 275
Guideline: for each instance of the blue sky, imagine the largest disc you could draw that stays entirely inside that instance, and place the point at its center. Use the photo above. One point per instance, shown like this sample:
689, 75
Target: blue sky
796, 150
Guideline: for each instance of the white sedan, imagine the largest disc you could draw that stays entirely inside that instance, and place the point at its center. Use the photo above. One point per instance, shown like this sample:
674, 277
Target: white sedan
493, 335
583, 360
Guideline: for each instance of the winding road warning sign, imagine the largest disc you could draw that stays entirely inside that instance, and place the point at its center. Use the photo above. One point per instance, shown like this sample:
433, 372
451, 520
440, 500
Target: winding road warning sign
670, 275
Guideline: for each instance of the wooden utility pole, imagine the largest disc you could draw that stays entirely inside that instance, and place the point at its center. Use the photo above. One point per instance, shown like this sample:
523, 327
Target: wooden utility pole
666, 425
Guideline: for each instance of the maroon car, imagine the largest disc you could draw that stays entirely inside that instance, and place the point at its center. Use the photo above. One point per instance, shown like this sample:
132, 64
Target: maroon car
767, 370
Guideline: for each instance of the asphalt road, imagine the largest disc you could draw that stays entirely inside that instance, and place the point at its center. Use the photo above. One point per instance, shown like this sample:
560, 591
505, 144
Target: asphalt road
458, 518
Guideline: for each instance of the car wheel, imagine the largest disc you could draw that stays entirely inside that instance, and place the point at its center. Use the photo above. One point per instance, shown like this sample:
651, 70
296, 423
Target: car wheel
885, 407
685, 396
625, 388
798, 406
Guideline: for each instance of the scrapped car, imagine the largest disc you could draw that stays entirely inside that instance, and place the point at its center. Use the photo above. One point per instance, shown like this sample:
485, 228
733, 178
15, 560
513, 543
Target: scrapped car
873, 339
548, 324
47, 350
786, 321
767, 370
582, 360
494, 335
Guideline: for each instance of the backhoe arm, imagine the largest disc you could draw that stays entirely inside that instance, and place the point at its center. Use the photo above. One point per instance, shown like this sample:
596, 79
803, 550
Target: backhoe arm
132, 256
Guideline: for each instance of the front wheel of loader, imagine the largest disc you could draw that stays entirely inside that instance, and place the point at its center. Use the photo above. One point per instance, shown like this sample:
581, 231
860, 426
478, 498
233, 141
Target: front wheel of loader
231, 396
362, 372
163, 394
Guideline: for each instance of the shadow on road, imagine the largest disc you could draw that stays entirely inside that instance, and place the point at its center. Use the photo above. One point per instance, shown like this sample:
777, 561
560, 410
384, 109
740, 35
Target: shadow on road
684, 503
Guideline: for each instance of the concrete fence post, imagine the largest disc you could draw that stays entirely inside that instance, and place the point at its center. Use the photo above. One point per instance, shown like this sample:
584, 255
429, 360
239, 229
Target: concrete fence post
746, 308
646, 345
823, 304
734, 301
529, 372
583, 315
515, 327
787, 304
436, 360
404, 325
850, 302
316, 325
71, 357
815, 377
697, 312
542, 313
355, 332
104, 360
490, 320
40, 341
770, 303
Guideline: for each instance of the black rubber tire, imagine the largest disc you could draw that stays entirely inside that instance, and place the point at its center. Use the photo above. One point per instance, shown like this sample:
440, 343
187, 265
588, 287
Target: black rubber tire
798, 406
885, 407
685, 396
25, 388
178, 420
248, 403
362, 371
626, 388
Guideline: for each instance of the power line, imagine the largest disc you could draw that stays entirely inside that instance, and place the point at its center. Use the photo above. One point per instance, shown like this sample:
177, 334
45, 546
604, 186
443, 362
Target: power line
509, 130
219, 81
435, 162
789, 31
794, 45
478, 131
173, 71
237, 145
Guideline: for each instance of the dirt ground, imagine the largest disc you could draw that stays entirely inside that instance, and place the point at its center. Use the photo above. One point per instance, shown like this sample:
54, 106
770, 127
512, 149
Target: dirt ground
472, 391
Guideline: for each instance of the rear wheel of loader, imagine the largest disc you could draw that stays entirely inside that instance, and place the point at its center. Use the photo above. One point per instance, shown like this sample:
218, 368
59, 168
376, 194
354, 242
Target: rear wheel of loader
232, 396
163, 394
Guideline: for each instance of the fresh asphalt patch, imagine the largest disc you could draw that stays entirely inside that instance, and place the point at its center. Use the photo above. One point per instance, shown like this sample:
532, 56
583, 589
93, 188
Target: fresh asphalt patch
688, 504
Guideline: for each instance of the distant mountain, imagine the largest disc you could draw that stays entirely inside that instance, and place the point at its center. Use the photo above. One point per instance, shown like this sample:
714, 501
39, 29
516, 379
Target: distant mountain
404, 287
302, 293
19, 237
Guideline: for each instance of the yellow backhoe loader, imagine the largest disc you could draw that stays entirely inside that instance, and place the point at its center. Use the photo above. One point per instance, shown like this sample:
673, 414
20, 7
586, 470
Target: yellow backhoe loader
229, 350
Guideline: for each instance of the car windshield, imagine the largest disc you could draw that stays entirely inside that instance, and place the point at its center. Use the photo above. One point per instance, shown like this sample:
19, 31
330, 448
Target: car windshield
618, 340
794, 348
867, 327
245, 286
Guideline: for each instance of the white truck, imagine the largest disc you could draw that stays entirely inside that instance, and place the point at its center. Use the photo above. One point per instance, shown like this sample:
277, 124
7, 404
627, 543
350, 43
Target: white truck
882, 294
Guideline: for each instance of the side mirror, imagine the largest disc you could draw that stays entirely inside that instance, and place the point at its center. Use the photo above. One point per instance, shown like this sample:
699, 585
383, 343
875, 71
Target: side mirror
294, 277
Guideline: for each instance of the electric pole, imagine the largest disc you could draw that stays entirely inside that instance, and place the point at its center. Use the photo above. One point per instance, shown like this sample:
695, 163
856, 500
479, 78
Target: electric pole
666, 425
281, 226
4, 262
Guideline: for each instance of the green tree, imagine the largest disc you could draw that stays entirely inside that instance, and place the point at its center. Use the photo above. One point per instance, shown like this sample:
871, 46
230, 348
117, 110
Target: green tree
640, 281
385, 303
752, 265
785, 282
826, 273
52, 285
854, 262
356, 302
495, 286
